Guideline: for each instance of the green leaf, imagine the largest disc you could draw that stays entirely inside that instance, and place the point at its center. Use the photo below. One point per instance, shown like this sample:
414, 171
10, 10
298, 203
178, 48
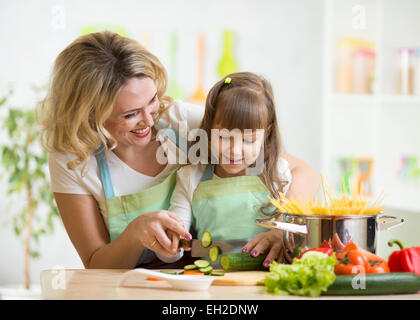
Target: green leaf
40, 174
34, 203
34, 254
17, 230
16, 176
2, 101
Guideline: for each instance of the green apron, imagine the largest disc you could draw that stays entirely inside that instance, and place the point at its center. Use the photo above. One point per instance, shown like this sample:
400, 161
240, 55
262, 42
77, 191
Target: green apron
121, 210
228, 207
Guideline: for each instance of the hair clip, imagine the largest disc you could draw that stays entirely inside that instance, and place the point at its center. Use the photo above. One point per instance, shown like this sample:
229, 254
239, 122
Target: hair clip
228, 80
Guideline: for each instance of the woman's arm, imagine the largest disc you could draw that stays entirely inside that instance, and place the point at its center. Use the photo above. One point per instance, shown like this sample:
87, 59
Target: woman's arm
89, 235
181, 205
305, 180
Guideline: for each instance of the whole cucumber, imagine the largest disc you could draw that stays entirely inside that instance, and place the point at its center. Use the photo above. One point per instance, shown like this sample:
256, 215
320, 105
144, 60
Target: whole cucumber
375, 284
241, 262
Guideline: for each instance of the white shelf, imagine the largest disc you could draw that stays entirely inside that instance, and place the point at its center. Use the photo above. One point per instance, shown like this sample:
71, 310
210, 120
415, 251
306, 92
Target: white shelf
382, 125
374, 98
398, 99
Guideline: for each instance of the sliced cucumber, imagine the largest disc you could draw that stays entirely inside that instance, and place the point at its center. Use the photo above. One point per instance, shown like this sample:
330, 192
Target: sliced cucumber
190, 267
206, 270
206, 240
214, 253
168, 271
201, 263
217, 274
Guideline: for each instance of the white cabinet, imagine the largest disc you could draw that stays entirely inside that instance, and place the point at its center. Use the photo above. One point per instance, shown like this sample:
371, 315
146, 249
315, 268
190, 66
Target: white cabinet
379, 123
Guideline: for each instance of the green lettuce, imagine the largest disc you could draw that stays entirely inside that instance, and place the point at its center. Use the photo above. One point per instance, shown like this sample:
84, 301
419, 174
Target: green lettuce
308, 276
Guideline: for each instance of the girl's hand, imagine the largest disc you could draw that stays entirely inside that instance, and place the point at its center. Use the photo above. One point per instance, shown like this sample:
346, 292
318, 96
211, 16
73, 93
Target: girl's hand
160, 231
273, 243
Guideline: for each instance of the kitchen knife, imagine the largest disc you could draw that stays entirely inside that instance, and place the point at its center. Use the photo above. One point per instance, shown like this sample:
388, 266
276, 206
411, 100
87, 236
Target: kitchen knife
285, 226
197, 249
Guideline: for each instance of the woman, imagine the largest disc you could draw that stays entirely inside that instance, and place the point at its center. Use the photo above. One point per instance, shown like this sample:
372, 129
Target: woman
100, 117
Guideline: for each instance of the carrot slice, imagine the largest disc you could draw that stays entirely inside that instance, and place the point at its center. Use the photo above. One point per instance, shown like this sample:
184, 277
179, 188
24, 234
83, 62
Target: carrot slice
194, 272
153, 278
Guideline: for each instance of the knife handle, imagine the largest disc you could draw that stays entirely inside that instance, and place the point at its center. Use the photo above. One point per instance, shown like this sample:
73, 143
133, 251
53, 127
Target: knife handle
185, 244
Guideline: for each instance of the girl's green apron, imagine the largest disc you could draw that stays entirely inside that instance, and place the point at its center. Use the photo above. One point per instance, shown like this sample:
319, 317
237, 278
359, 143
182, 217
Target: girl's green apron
228, 207
121, 210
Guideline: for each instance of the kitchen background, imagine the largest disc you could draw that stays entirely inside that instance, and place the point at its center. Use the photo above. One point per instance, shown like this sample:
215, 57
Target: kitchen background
346, 77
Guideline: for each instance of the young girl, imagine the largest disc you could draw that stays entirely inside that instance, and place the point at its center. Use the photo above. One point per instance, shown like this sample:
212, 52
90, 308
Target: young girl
221, 196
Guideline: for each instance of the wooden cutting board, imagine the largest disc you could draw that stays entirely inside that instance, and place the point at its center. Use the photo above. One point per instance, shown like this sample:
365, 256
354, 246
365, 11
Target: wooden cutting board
239, 278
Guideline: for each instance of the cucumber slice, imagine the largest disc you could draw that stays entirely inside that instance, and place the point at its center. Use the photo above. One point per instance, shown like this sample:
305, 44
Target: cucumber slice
206, 270
206, 240
201, 263
214, 253
190, 267
217, 274
168, 271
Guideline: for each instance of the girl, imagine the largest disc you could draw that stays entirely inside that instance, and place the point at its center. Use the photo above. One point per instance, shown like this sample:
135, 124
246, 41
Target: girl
220, 195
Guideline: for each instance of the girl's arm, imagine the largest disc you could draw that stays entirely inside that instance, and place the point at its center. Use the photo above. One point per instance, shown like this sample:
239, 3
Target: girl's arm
89, 235
305, 180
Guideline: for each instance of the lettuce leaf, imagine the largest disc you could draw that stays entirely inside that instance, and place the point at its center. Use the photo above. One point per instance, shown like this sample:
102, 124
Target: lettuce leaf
308, 276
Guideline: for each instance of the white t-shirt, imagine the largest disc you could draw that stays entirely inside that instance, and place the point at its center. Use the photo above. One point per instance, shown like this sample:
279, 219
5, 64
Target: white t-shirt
125, 179
188, 178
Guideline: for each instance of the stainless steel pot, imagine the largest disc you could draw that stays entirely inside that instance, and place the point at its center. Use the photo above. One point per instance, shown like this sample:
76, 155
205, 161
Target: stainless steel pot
309, 231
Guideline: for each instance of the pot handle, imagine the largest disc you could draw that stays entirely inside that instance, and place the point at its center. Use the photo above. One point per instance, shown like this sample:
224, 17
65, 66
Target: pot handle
285, 226
389, 222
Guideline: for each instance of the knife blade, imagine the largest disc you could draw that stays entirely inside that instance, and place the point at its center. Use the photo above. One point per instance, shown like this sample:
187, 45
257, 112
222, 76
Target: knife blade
285, 226
197, 249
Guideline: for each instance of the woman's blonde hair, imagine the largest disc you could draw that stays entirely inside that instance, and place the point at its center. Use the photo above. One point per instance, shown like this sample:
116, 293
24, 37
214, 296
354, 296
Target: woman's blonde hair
86, 79
246, 101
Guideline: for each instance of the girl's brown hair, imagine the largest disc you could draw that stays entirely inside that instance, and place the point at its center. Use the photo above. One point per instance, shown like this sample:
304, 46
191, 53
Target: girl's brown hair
87, 77
247, 102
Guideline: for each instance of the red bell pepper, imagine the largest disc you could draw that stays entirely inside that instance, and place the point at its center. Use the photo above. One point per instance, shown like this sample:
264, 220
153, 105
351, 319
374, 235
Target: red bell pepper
354, 260
405, 259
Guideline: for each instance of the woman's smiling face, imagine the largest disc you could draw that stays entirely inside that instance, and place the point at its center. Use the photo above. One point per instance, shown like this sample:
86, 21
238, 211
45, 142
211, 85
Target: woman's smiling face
133, 115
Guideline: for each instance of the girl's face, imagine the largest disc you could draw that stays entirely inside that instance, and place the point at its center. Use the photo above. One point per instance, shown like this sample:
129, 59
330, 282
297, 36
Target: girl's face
131, 119
236, 149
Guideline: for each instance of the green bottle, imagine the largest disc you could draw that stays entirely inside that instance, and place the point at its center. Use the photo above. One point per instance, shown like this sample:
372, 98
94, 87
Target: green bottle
174, 89
227, 63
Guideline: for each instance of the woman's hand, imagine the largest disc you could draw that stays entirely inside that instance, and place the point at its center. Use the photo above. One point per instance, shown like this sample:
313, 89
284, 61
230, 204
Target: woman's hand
160, 231
273, 243
305, 180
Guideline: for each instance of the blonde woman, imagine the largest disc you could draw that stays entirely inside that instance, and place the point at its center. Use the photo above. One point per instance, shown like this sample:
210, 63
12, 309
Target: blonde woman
105, 104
